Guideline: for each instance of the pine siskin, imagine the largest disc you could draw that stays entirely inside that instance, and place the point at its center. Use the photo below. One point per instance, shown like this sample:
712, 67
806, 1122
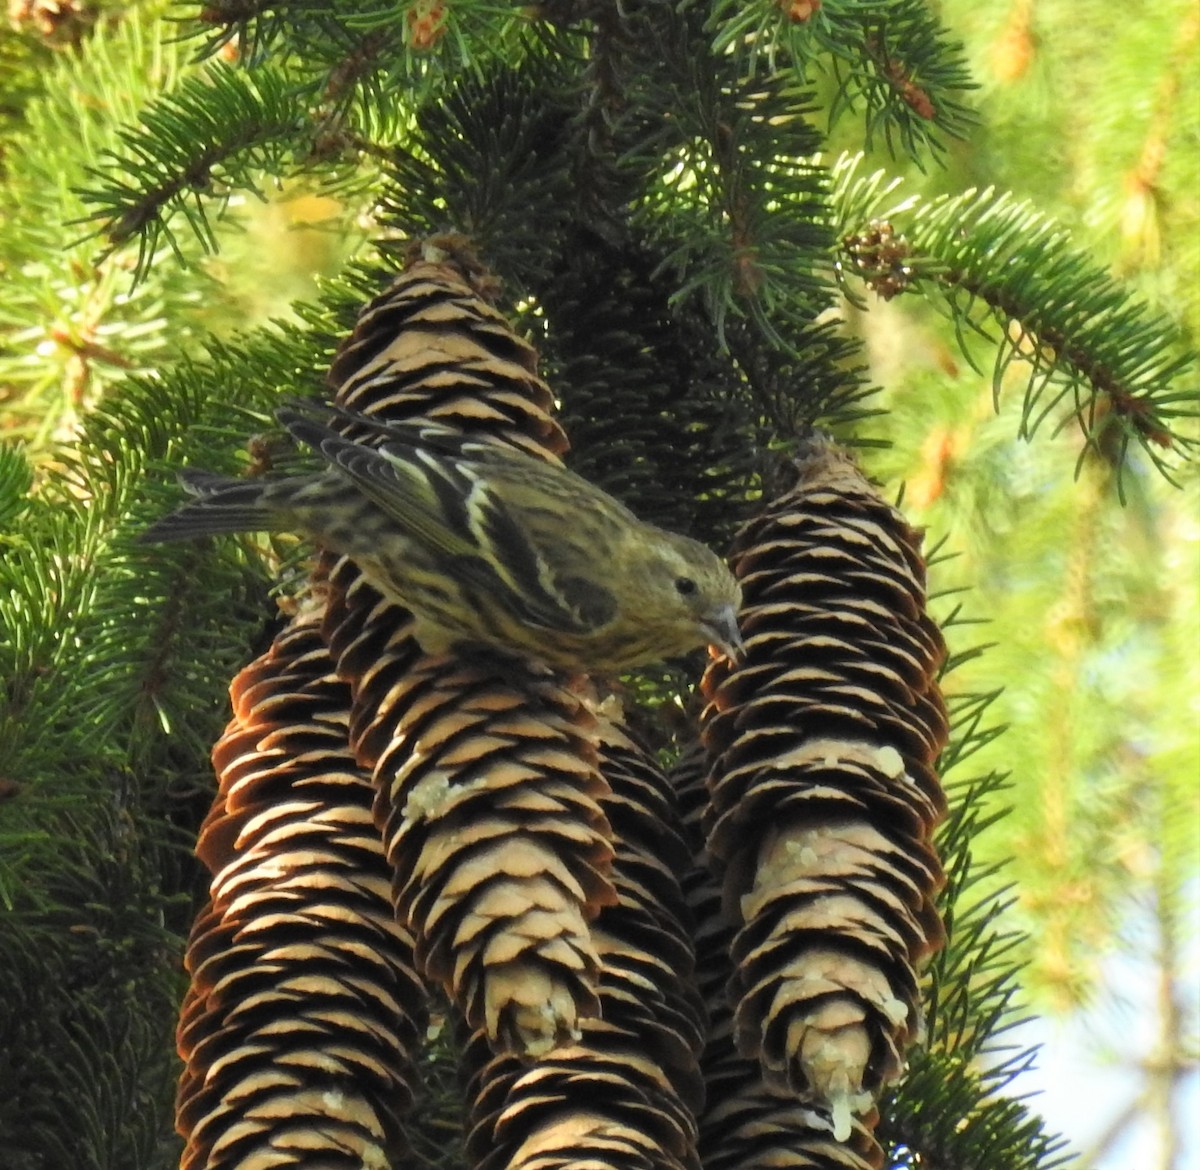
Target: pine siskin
485, 544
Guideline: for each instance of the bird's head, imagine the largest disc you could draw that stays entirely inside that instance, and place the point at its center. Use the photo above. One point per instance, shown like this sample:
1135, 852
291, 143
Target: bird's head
697, 595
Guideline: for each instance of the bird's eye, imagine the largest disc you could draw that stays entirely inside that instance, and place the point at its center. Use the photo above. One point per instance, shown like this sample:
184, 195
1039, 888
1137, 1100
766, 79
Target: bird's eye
685, 586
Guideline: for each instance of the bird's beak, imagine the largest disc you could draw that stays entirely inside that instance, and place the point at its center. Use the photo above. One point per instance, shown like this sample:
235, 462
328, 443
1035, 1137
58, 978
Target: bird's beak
722, 628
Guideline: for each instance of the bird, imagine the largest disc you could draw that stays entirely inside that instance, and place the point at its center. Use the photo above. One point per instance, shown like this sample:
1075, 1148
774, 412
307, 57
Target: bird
486, 545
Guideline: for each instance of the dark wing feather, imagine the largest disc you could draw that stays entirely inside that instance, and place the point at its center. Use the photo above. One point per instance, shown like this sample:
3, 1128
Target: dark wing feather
422, 493
594, 605
222, 505
534, 591
438, 486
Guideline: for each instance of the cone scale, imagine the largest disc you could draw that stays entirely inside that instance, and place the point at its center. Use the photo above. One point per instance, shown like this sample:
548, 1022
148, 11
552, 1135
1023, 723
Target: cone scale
743, 1124
624, 1095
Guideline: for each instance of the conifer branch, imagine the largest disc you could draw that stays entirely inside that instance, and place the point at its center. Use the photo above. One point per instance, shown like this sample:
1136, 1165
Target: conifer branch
894, 61
214, 135
247, 27
744, 204
491, 157
16, 478
90, 965
944, 1116
388, 54
1080, 342
950, 1110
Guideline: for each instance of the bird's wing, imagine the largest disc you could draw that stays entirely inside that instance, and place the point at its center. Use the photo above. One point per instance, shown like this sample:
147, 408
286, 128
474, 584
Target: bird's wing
466, 512
530, 552
312, 422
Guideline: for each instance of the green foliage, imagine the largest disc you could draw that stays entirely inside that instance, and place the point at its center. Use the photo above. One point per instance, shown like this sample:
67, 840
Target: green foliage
1002, 270
369, 53
20, 60
16, 478
70, 324
214, 133
739, 208
893, 60
952, 1106
115, 668
91, 947
347, 76
967, 1126
494, 158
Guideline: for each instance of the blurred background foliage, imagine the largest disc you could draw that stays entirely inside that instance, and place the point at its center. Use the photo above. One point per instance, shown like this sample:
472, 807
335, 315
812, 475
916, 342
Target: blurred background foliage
1092, 608
1093, 620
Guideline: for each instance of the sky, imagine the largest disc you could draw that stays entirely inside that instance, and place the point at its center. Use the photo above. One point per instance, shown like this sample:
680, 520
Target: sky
1087, 1072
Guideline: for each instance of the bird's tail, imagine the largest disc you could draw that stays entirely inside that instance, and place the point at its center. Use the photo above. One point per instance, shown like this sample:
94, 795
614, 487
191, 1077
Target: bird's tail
222, 505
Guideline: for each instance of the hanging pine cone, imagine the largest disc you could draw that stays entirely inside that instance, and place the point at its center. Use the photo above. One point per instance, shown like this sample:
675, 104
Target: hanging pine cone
489, 809
303, 1008
823, 797
624, 1095
487, 772
744, 1125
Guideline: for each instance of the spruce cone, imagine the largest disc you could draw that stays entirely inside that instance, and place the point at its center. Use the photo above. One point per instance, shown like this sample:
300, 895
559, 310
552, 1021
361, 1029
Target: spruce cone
486, 771
624, 1096
645, 940
432, 346
488, 805
823, 797
745, 1126
303, 1007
